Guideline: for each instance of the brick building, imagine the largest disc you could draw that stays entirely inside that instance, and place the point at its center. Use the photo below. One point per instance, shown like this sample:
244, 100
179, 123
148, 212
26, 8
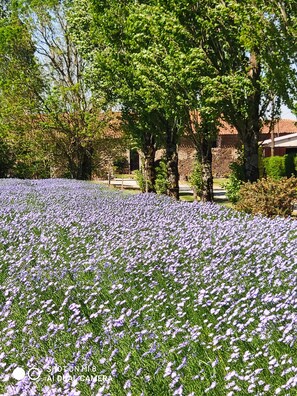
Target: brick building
225, 150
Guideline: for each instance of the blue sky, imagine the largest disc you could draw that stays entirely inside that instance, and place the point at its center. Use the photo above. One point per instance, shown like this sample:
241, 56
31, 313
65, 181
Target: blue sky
287, 114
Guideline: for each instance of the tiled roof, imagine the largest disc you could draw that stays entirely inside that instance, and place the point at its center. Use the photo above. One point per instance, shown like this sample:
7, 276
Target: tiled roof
282, 126
114, 126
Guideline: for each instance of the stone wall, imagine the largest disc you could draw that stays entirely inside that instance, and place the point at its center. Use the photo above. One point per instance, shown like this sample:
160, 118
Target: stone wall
228, 140
224, 153
186, 161
221, 159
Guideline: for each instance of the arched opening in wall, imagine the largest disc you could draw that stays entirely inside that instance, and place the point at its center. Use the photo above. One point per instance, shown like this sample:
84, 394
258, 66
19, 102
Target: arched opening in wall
134, 160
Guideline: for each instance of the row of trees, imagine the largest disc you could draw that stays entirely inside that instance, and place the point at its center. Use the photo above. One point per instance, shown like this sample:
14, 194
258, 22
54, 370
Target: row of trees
176, 66
171, 67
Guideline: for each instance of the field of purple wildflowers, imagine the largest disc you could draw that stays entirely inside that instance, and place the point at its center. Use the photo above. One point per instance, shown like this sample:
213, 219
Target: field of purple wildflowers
103, 293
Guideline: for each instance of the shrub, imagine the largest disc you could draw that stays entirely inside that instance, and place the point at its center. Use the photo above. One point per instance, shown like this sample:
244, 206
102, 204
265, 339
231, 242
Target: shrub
275, 167
195, 179
235, 180
121, 165
269, 197
6, 159
161, 183
31, 170
289, 161
140, 180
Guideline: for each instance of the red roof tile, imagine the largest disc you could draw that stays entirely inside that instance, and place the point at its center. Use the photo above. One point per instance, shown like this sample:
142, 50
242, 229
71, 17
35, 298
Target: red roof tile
282, 126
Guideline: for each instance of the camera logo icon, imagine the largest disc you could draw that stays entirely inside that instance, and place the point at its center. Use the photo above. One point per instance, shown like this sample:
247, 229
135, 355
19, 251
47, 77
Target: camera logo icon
34, 373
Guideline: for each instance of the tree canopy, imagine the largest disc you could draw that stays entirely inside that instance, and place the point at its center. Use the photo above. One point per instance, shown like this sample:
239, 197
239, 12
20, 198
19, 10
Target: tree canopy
171, 68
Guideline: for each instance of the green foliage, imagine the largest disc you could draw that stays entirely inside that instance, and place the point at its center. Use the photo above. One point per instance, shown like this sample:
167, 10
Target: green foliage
139, 177
31, 170
6, 159
275, 167
161, 183
151, 65
235, 180
270, 197
290, 168
195, 178
20, 88
159, 60
280, 166
121, 165
176, 57
29, 157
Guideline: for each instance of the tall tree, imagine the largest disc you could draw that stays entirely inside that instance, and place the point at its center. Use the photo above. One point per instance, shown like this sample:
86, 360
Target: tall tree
71, 118
180, 56
20, 85
270, 43
145, 130
147, 66
252, 46
180, 80
116, 60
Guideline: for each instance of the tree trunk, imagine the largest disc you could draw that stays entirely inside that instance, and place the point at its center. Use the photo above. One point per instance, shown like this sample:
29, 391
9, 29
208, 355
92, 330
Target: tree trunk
87, 165
206, 165
250, 137
203, 133
251, 154
149, 152
172, 162
84, 171
249, 125
72, 168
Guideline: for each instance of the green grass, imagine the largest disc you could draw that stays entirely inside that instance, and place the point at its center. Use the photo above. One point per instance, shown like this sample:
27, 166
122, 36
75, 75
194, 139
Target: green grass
124, 176
186, 197
219, 181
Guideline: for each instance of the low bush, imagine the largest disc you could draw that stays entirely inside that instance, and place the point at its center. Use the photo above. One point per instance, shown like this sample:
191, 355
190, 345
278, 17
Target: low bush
196, 179
31, 170
6, 159
121, 165
161, 178
235, 180
269, 197
290, 168
275, 167
140, 180
161, 183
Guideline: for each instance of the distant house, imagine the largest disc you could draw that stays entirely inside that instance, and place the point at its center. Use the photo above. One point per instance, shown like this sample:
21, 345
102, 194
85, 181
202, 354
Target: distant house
225, 150
282, 145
